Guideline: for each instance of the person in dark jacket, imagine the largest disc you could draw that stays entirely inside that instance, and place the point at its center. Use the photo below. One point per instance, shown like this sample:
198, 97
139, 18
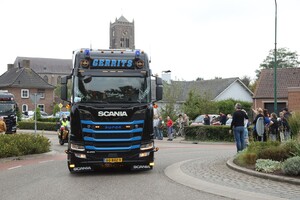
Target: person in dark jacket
206, 120
287, 128
237, 125
223, 118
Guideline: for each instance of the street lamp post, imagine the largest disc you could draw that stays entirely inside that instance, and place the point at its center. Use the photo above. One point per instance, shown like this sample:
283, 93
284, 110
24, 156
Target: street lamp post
275, 62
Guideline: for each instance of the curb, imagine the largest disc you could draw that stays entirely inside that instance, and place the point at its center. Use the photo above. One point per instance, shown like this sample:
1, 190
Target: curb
235, 167
37, 131
174, 173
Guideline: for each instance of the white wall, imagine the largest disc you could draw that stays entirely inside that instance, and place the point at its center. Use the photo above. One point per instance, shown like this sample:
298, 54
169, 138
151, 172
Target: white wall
235, 91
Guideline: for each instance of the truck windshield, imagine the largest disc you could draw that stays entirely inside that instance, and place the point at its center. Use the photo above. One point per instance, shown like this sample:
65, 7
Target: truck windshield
7, 108
112, 89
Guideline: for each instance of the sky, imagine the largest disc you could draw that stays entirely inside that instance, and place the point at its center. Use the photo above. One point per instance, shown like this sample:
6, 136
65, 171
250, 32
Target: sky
192, 38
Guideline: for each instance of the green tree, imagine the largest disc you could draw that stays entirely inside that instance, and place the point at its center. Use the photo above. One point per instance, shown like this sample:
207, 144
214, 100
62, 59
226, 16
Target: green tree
196, 105
246, 80
56, 109
285, 59
38, 114
227, 106
172, 93
191, 105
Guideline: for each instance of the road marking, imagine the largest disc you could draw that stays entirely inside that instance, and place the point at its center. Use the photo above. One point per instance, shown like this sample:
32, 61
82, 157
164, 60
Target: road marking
45, 161
15, 167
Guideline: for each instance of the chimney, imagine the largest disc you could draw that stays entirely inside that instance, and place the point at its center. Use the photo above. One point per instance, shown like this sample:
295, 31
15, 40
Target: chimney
10, 66
26, 63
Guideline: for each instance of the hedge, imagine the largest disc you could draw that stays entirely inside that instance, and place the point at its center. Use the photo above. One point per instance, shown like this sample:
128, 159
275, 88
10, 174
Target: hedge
47, 126
208, 133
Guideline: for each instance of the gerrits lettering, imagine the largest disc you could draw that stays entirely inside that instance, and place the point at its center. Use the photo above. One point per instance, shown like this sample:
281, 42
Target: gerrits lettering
112, 63
112, 114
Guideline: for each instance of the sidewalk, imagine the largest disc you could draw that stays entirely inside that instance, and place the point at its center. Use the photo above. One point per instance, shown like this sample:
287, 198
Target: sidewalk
37, 131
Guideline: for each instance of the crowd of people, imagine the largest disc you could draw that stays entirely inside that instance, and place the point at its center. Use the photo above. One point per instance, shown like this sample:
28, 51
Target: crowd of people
273, 128
173, 127
265, 126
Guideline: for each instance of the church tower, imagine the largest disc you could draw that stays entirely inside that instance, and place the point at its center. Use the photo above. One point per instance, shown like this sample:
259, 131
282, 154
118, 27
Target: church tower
121, 34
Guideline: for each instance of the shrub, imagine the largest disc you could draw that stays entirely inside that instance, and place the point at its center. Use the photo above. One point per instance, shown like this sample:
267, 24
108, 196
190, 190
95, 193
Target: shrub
258, 146
246, 158
23, 144
294, 123
257, 150
293, 147
277, 153
291, 166
267, 165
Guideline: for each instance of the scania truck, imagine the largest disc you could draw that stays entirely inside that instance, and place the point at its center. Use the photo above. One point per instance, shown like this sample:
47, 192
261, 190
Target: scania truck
111, 119
8, 110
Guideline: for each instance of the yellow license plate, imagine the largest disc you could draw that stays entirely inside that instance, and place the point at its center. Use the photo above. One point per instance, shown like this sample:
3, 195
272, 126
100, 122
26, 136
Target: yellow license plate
113, 160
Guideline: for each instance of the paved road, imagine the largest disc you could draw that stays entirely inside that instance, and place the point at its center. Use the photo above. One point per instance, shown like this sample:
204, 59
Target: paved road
203, 168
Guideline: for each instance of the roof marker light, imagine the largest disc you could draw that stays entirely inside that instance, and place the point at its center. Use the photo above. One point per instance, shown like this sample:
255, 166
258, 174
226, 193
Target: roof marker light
87, 53
137, 53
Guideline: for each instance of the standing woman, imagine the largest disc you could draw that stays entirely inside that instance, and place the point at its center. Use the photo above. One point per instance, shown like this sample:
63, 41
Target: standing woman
237, 125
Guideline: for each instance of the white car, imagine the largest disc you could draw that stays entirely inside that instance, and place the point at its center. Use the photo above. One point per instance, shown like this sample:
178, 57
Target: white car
200, 119
30, 115
228, 122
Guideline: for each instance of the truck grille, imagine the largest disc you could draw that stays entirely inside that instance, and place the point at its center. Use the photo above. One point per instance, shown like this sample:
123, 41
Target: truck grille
112, 136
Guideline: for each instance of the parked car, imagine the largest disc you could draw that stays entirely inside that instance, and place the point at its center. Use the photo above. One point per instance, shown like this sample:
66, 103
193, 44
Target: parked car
214, 120
228, 122
30, 114
62, 113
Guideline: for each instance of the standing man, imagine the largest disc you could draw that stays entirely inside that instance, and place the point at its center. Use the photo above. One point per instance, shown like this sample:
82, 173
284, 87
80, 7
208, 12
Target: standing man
160, 126
155, 126
286, 125
237, 125
2, 126
170, 128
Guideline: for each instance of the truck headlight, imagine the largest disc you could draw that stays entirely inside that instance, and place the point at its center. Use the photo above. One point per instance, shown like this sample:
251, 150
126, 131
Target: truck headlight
77, 147
80, 155
147, 146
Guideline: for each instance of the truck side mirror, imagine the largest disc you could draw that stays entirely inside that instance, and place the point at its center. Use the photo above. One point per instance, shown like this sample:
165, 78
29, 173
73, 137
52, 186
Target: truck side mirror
159, 89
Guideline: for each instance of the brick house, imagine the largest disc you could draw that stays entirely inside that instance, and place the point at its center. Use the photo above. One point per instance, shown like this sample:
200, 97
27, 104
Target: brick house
24, 82
288, 89
50, 69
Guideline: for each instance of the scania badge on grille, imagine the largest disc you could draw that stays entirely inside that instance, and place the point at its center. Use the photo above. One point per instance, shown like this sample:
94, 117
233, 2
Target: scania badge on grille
112, 114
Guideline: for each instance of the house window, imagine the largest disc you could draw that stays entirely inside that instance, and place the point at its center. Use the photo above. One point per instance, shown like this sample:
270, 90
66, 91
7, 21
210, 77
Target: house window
41, 106
46, 78
24, 108
25, 93
41, 92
